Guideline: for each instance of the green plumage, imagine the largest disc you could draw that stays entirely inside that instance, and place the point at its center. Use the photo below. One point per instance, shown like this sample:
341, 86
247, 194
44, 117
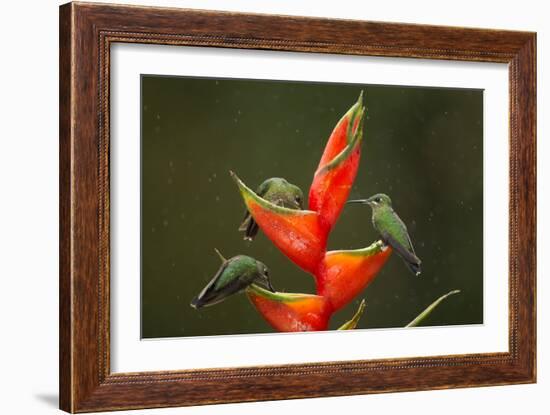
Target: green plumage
392, 229
277, 191
233, 276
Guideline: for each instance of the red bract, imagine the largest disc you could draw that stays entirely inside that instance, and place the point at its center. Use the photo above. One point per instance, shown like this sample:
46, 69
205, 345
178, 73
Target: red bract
302, 236
337, 169
291, 312
297, 233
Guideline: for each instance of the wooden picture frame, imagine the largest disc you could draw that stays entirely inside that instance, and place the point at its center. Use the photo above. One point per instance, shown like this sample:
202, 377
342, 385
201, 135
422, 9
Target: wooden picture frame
86, 33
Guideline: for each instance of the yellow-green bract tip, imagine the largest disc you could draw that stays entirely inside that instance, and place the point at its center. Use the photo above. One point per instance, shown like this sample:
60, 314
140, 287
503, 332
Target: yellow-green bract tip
352, 324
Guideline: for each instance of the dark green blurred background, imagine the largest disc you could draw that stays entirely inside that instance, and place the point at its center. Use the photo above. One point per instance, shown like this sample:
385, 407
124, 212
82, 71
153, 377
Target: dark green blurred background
423, 147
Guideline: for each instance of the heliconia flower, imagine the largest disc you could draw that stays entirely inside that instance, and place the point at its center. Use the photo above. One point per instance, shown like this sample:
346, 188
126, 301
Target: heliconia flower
290, 312
337, 169
297, 233
302, 236
345, 274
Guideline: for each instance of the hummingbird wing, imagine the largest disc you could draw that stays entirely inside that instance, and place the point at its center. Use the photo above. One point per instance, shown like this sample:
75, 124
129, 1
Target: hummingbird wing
397, 236
405, 253
205, 297
228, 280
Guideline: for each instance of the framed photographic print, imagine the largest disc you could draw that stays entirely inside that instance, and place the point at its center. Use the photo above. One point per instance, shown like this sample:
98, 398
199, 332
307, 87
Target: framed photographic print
260, 207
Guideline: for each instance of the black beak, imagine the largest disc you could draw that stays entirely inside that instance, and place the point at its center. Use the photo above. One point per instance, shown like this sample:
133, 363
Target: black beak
360, 201
270, 286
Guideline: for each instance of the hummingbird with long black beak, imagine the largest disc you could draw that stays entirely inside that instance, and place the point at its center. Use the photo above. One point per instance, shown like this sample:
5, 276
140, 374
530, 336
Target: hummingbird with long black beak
392, 229
234, 275
277, 191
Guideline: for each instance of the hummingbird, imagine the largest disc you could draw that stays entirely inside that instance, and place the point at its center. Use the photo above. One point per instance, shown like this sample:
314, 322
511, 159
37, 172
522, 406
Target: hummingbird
234, 275
392, 229
277, 191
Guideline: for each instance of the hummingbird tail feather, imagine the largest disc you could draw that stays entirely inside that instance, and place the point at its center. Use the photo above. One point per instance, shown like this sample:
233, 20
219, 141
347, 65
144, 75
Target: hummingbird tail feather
249, 227
414, 267
251, 230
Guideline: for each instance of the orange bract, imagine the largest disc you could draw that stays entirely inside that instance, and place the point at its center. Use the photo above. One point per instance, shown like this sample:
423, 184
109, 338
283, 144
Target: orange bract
345, 274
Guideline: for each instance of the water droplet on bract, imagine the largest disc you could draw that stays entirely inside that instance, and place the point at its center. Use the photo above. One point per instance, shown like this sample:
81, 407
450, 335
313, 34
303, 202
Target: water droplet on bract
165, 223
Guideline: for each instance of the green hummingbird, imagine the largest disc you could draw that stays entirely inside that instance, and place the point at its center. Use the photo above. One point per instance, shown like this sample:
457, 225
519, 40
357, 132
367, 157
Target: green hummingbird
277, 191
392, 229
234, 275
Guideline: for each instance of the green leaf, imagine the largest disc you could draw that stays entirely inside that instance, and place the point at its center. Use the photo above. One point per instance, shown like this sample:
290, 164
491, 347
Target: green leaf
422, 316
